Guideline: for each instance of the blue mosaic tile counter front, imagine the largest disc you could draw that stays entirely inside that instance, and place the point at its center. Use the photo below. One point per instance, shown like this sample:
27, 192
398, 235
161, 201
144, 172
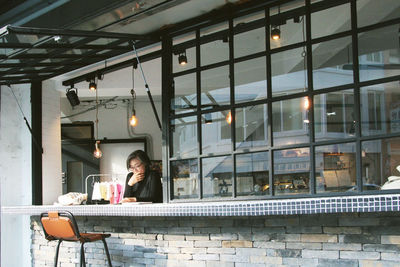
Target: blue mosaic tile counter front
375, 203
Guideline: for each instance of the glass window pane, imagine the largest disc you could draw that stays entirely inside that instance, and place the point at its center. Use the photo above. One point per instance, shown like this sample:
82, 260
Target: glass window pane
379, 53
372, 11
332, 63
252, 174
330, 21
214, 46
251, 126
291, 28
215, 87
216, 132
217, 177
290, 122
247, 42
289, 72
250, 80
184, 99
178, 43
380, 108
292, 171
380, 164
190, 54
184, 137
335, 168
184, 174
334, 115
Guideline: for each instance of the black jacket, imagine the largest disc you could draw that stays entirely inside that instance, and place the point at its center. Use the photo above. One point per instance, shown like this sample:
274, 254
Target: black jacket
147, 190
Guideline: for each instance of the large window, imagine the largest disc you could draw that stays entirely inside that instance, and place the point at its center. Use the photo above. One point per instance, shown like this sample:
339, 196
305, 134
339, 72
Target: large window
313, 113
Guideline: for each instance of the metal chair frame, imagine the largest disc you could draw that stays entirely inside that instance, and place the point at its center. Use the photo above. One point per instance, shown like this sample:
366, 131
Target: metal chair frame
68, 221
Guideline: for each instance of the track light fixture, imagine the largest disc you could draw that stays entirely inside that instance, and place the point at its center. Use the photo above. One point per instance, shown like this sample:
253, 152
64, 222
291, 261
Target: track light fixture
92, 85
275, 33
182, 59
72, 95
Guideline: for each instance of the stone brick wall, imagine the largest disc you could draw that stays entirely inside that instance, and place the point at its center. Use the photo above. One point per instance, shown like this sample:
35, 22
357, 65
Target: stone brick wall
366, 239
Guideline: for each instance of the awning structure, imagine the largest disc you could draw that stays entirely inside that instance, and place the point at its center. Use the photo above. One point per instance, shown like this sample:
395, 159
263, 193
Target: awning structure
36, 54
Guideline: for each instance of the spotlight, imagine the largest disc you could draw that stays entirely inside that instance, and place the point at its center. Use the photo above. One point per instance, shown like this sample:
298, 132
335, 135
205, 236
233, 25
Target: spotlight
72, 95
182, 59
92, 85
275, 34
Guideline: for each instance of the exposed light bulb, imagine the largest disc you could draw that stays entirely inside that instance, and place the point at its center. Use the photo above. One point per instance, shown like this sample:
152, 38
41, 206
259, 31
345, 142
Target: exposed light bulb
229, 118
306, 103
133, 121
97, 152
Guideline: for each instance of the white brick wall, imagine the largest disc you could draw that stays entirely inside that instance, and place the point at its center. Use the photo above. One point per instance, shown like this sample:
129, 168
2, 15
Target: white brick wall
135, 248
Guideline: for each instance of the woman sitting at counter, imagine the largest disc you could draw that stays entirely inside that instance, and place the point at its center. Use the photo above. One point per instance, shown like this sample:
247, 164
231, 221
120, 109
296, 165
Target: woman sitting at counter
142, 184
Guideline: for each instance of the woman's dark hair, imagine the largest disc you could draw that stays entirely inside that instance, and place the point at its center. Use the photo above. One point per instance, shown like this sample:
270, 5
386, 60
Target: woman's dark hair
140, 155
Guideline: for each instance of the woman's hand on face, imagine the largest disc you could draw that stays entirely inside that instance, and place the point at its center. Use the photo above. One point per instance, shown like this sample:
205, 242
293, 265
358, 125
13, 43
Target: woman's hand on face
128, 199
136, 177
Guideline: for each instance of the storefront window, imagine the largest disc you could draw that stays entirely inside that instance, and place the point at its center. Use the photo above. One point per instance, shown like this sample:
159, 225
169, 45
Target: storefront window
334, 115
372, 12
293, 29
217, 177
380, 109
381, 164
185, 97
252, 174
250, 80
379, 53
184, 174
281, 118
328, 72
292, 171
184, 137
290, 122
215, 47
247, 42
335, 168
251, 126
330, 21
216, 132
289, 72
215, 87
181, 49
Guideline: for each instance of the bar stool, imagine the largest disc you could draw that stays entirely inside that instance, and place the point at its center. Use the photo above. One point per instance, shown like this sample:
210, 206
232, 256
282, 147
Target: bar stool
61, 226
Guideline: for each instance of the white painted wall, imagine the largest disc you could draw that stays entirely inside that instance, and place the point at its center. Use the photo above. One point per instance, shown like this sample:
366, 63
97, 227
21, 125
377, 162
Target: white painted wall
51, 141
15, 174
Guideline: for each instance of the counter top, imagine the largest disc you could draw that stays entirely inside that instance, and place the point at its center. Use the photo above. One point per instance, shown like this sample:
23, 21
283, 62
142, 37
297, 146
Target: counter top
364, 203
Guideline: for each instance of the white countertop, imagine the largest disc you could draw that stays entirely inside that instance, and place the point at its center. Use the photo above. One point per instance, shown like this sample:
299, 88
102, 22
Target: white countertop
357, 203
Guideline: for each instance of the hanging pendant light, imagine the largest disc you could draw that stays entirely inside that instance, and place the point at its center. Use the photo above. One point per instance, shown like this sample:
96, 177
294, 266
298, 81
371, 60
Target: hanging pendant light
133, 121
97, 152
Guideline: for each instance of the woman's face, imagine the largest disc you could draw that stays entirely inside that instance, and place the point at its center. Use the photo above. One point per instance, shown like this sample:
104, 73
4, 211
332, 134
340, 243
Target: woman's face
136, 166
